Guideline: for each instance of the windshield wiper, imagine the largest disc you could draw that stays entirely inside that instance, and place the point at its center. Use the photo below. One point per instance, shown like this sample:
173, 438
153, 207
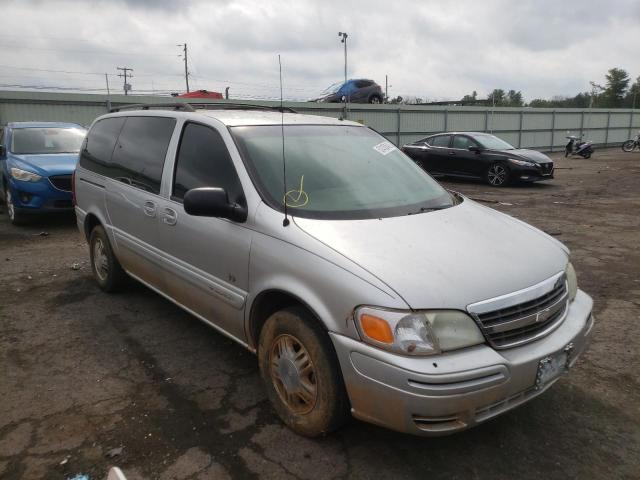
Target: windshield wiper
429, 209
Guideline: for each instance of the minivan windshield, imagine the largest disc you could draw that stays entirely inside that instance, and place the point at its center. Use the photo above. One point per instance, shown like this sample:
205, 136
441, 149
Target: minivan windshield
336, 172
492, 142
46, 140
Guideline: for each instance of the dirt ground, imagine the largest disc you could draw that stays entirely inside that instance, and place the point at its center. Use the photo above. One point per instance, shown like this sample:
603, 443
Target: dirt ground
83, 372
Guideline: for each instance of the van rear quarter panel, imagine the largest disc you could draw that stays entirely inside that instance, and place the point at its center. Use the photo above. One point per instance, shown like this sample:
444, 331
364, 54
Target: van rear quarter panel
90, 200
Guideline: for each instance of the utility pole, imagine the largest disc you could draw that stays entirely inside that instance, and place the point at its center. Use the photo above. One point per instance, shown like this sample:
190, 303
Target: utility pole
344, 36
386, 88
186, 64
125, 74
106, 79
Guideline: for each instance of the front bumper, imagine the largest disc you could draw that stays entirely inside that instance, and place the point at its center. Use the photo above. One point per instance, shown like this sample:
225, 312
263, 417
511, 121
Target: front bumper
531, 174
446, 393
39, 197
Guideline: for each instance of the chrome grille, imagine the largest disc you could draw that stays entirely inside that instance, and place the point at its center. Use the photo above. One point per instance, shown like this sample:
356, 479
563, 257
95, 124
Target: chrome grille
524, 321
61, 182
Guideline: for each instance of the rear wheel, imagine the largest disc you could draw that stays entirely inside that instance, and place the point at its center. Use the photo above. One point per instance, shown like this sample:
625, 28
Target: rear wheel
375, 99
629, 145
301, 373
104, 264
498, 175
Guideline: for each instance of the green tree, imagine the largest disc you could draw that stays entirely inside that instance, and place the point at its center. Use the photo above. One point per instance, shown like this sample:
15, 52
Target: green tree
616, 87
496, 97
470, 98
632, 100
514, 99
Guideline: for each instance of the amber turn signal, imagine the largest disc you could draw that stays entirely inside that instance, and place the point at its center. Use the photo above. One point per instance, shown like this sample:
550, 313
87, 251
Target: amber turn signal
376, 329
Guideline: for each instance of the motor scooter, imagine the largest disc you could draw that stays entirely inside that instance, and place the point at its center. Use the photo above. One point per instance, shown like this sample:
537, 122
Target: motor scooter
576, 146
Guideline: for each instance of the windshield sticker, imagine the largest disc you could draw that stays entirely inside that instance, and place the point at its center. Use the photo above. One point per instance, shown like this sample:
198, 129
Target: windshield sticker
384, 148
297, 198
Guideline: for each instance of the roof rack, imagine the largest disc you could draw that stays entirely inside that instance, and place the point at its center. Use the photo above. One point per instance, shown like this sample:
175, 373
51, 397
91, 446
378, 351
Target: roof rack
146, 106
241, 106
191, 107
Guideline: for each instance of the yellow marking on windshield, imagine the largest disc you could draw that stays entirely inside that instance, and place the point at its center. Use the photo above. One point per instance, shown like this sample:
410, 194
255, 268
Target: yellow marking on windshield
297, 198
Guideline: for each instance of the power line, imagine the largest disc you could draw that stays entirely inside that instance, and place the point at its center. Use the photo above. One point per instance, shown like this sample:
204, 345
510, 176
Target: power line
90, 52
55, 71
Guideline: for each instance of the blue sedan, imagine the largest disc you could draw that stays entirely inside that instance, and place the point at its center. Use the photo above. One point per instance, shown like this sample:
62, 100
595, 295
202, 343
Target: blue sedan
37, 160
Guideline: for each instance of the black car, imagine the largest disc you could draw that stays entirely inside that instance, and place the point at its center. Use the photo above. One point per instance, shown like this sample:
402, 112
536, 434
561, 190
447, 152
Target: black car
479, 155
360, 90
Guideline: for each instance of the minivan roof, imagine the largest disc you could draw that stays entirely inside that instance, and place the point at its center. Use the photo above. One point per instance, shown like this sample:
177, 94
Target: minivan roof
234, 118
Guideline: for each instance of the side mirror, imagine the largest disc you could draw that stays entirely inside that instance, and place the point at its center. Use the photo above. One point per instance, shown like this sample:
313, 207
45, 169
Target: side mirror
213, 202
474, 148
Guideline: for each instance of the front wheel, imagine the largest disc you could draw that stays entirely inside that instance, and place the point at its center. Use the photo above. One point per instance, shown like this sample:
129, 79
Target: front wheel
375, 99
301, 373
14, 217
629, 145
498, 175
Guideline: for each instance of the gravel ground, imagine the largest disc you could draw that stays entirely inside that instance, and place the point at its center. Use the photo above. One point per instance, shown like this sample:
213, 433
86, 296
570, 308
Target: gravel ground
85, 372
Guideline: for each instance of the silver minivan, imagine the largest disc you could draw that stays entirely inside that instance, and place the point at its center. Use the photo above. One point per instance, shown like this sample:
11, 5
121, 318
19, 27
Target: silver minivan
362, 285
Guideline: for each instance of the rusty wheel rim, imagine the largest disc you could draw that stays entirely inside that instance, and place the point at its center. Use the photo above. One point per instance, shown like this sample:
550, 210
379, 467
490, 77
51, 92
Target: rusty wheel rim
293, 374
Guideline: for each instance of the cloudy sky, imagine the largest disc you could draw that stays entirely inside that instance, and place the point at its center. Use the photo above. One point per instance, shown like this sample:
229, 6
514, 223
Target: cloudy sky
436, 50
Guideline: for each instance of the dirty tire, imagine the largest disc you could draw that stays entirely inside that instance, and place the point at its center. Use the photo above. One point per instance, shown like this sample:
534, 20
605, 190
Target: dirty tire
15, 217
309, 415
498, 175
105, 266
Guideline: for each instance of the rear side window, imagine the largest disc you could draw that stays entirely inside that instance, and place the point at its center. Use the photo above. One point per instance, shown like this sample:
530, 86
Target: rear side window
440, 141
95, 154
138, 158
204, 161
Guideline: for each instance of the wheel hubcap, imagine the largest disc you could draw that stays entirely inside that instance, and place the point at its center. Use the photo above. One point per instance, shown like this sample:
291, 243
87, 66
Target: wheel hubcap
497, 175
10, 208
100, 260
293, 374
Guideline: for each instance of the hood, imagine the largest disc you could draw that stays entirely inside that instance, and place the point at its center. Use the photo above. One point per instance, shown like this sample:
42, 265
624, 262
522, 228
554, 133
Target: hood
47, 164
448, 258
524, 154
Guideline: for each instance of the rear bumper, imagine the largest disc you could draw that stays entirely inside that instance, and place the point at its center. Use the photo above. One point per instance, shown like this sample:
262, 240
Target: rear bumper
446, 393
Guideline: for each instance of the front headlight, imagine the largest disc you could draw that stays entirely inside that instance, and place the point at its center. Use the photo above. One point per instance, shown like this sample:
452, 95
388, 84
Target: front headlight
522, 163
427, 332
24, 175
572, 281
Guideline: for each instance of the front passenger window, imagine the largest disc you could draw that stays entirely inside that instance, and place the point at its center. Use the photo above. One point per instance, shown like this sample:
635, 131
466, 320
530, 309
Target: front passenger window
204, 161
462, 142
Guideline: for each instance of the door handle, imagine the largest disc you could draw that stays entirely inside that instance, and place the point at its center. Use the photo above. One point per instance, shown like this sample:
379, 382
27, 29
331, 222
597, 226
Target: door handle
149, 209
169, 216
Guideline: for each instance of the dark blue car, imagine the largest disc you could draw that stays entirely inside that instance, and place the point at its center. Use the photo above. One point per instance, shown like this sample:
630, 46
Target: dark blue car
37, 160
359, 90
